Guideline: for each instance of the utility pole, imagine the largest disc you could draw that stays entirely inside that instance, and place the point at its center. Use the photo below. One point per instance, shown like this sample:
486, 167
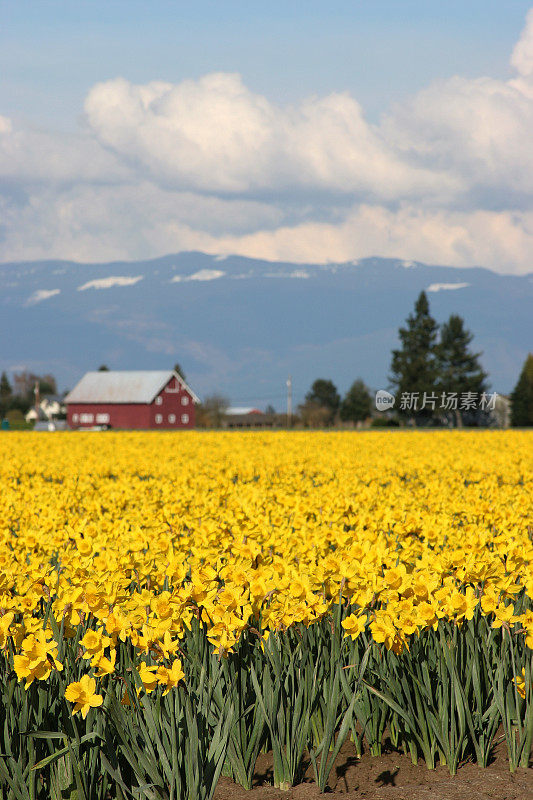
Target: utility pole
289, 401
37, 399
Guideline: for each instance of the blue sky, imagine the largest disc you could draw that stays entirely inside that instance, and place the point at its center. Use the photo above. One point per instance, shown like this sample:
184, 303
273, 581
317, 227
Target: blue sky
51, 53
339, 129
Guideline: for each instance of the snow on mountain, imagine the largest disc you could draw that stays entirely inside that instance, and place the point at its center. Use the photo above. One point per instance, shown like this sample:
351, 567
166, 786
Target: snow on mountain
112, 280
201, 275
439, 287
296, 273
41, 294
240, 332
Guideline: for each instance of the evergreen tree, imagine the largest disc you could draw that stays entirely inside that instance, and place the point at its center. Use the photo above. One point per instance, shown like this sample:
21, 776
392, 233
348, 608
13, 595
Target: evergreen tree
180, 372
47, 384
357, 403
414, 365
522, 397
5, 393
103, 368
324, 394
5, 387
25, 386
459, 369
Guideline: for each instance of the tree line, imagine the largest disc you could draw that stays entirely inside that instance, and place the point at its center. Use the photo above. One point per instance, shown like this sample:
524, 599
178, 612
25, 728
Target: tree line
18, 397
436, 378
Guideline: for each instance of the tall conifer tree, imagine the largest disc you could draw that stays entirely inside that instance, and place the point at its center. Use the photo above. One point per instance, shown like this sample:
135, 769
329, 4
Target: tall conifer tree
522, 397
414, 364
357, 405
459, 369
5, 393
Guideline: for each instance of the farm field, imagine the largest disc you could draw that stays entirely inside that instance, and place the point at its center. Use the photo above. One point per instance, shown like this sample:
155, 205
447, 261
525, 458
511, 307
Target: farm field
183, 613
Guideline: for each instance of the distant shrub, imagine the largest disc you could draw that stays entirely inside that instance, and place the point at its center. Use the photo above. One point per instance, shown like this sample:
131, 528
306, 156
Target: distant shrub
15, 416
384, 422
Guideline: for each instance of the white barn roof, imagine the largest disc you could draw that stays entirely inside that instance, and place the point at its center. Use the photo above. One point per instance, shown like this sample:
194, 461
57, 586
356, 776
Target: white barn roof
123, 386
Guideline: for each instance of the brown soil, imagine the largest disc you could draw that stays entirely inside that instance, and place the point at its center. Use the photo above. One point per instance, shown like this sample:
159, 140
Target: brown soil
392, 776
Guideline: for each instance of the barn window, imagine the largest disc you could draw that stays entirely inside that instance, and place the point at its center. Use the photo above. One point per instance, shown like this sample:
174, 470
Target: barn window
159, 418
158, 401
184, 400
172, 418
86, 418
74, 418
173, 386
102, 419
185, 418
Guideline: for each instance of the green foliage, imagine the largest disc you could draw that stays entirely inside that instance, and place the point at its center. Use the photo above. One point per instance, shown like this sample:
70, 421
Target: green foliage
324, 392
522, 397
45, 752
313, 415
248, 731
5, 387
384, 422
173, 746
286, 697
516, 713
299, 692
322, 402
414, 364
451, 691
210, 413
340, 680
178, 369
16, 420
5, 393
357, 403
22, 396
370, 713
458, 368
434, 362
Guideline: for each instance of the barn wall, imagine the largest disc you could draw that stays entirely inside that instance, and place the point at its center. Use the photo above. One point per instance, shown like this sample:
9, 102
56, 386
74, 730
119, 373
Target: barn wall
172, 400
127, 415
172, 409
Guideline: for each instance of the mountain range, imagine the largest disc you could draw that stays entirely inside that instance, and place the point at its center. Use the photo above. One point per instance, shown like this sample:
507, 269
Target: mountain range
239, 326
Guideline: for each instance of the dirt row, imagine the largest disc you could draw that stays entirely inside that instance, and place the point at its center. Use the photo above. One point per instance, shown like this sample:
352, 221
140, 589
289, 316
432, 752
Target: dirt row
392, 776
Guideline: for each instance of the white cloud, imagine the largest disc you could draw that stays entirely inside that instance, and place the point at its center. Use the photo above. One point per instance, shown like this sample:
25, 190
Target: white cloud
34, 156
40, 295
82, 224
522, 55
477, 130
502, 241
108, 283
121, 222
6, 125
208, 164
215, 135
438, 287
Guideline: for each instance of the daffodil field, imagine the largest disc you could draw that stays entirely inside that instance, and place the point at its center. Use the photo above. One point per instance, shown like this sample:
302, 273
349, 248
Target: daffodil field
173, 605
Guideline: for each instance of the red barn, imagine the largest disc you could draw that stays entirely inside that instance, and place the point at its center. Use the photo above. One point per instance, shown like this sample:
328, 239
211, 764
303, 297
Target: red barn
138, 400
